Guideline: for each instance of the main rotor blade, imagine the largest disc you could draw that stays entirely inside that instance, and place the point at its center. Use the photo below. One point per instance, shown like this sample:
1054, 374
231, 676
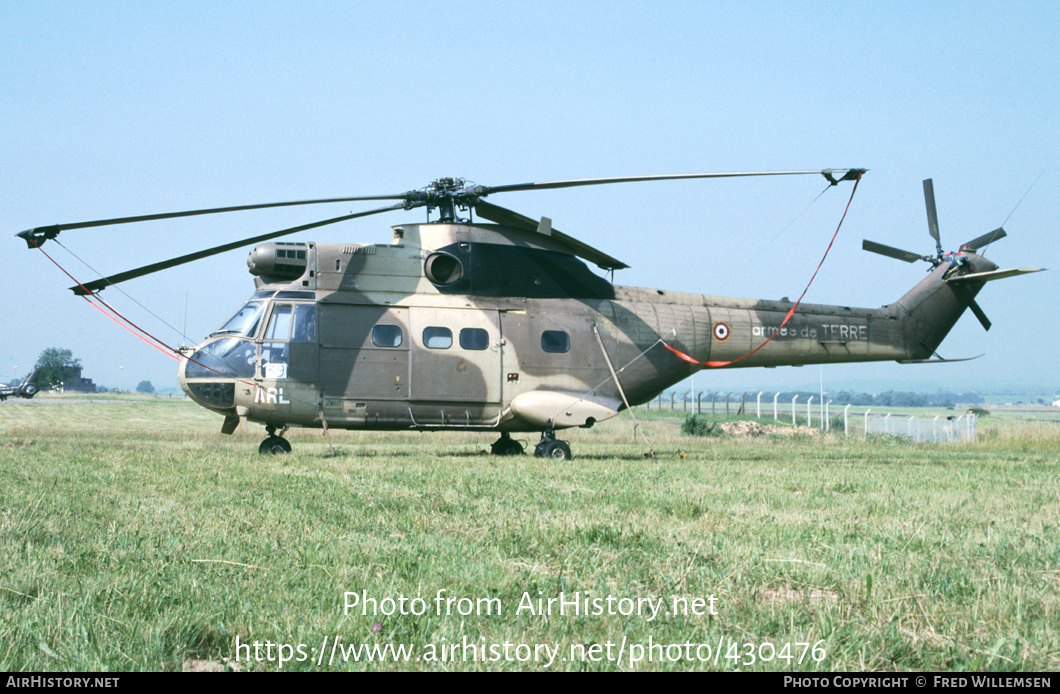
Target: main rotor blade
827, 173
932, 214
985, 239
53, 230
99, 284
502, 215
891, 252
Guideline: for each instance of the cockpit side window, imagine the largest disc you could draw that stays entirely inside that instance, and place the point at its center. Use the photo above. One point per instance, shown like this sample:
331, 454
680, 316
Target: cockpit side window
296, 323
280, 323
305, 323
289, 324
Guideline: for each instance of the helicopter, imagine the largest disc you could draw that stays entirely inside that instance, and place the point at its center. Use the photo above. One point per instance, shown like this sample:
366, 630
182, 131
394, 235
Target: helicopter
26, 389
498, 324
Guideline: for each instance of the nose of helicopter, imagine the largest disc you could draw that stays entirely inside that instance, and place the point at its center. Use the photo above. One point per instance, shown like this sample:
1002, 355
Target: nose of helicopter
217, 395
210, 374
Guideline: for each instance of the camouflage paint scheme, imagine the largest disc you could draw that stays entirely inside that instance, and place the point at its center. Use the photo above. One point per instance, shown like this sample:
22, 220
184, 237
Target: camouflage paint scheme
515, 285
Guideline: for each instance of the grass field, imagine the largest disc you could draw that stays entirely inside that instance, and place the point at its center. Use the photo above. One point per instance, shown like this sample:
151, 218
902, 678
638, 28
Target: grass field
134, 536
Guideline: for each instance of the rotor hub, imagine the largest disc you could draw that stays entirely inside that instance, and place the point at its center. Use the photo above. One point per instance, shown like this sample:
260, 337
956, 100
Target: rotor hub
447, 195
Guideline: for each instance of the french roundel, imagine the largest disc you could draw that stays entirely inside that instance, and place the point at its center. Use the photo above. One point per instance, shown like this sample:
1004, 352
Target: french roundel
721, 331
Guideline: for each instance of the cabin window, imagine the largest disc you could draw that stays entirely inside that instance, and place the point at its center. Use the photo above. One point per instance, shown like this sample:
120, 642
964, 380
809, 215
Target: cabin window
437, 338
386, 336
474, 338
555, 341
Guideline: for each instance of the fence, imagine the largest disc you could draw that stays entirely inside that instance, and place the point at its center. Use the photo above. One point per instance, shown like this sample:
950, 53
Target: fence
940, 429
921, 429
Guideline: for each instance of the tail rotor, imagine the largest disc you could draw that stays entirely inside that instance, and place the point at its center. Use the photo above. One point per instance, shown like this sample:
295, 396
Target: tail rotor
954, 258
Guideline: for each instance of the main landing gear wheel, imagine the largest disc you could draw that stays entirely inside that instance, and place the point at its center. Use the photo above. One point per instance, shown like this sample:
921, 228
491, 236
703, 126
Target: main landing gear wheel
274, 444
557, 450
506, 445
550, 447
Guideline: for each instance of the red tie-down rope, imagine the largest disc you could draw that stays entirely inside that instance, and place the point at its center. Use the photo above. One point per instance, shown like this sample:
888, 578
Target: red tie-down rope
117, 317
114, 314
717, 364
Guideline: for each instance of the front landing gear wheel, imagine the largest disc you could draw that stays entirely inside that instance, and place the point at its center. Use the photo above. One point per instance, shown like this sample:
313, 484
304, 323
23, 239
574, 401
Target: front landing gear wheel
274, 445
506, 445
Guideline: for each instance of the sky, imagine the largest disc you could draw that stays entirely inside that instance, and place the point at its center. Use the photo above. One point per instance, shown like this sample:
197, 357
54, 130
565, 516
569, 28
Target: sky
113, 109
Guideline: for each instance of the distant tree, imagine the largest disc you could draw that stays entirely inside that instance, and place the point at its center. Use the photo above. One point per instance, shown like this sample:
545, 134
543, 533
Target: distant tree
56, 365
17, 381
145, 387
910, 399
843, 397
944, 397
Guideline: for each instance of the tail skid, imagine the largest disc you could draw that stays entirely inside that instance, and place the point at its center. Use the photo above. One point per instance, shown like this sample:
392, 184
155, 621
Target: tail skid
938, 360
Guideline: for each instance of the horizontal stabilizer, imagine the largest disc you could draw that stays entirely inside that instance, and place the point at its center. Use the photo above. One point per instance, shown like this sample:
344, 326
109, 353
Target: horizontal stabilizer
994, 275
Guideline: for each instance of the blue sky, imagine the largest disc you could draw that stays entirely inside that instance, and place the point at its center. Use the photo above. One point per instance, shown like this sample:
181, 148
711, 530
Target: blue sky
114, 109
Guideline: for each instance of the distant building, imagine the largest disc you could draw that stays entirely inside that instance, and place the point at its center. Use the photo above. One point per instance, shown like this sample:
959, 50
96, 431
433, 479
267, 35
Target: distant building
1056, 403
74, 383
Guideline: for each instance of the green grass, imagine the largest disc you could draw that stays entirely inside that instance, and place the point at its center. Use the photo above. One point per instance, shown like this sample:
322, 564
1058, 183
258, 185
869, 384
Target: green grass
134, 536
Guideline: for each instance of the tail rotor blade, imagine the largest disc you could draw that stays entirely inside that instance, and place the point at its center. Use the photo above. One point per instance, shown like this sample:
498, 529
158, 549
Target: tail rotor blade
985, 239
891, 252
979, 314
